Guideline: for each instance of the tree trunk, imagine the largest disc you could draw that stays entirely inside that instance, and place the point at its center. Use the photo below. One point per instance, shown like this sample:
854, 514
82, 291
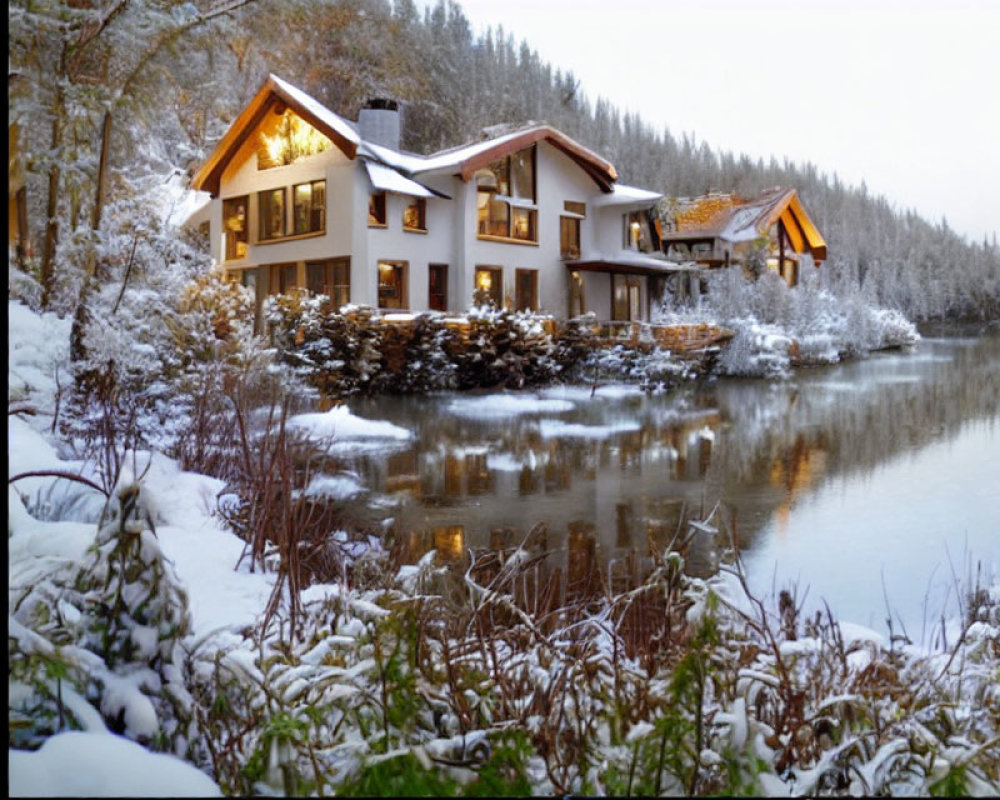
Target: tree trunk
52, 205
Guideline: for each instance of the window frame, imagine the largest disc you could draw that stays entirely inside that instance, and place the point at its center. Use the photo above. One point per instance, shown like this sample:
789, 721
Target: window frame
377, 207
520, 210
495, 289
442, 305
231, 236
420, 203
334, 279
277, 277
566, 249
262, 214
316, 210
531, 274
403, 300
628, 282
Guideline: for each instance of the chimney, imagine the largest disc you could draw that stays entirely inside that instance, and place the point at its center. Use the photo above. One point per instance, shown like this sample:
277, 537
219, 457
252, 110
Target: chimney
378, 122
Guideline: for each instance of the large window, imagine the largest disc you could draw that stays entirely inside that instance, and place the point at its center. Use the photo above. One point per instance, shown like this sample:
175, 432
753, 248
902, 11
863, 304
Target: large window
625, 298
309, 209
331, 278
569, 237
526, 289
437, 287
234, 223
282, 278
569, 228
506, 198
489, 286
392, 284
271, 205
415, 216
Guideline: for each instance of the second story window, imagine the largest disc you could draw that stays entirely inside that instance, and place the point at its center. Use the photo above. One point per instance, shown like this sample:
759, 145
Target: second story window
235, 225
637, 232
415, 215
376, 210
506, 197
309, 211
271, 207
569, 229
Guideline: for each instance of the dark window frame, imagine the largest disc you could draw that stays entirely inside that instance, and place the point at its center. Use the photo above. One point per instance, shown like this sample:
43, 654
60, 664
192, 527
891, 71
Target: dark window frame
398, 294
315, 215
497, 216
437, 300
519, 299
420, 216
266, 212
235, 236
377, 203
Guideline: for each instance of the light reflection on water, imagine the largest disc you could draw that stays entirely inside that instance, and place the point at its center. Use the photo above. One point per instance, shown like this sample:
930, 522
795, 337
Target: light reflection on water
857, 481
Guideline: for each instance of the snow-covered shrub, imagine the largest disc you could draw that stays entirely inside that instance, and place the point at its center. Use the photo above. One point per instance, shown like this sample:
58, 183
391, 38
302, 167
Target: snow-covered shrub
164, 364
756, 351
100, 644
337, 351
777, 327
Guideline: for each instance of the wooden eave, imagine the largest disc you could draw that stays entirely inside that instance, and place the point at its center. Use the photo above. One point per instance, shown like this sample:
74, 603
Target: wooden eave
600, 171
208, 177
802, 232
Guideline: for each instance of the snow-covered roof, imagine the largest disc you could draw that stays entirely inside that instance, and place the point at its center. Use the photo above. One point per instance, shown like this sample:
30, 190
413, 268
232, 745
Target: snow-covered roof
387, 179
463, 160
305, 101
622, 195
732, 219
631, 261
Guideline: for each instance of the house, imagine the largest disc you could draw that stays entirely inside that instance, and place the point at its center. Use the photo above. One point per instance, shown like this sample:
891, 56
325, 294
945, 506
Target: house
717, 230
527, 217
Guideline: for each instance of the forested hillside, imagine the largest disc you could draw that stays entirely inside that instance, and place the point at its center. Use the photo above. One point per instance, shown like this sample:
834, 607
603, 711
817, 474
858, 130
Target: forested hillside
169, 77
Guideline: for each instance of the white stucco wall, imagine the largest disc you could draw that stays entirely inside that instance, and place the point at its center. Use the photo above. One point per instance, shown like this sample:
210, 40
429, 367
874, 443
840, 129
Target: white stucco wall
451, 236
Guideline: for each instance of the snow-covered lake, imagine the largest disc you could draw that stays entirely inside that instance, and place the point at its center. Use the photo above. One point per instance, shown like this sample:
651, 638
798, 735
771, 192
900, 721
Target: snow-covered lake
871, 485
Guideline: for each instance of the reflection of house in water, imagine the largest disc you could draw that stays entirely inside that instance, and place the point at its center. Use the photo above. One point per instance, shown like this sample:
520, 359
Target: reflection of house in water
602, 494
795, 471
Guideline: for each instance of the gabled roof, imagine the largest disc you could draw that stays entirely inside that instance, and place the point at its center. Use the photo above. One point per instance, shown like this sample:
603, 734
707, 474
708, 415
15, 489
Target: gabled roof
274, 92
465, 160
462, 161
726, 216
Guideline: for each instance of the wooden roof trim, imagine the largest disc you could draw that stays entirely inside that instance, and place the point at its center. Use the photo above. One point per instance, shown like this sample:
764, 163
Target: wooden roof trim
795, 235
600, 171
208, 177
817, 245
789, 207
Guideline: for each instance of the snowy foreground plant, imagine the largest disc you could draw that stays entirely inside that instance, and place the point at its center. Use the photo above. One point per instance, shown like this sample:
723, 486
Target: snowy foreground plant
491, 677
99, 644
448, 683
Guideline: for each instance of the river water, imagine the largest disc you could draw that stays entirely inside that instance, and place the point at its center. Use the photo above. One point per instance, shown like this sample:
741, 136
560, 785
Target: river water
873, 486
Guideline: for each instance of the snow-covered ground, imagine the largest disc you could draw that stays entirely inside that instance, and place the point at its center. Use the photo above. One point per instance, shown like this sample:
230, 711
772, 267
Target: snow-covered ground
225, 597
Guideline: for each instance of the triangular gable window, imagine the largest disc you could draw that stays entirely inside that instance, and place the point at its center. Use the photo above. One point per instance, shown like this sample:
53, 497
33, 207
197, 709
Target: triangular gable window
286, 138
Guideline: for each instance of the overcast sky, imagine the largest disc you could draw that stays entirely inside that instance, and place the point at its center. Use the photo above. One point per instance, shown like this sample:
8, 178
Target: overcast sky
902, 95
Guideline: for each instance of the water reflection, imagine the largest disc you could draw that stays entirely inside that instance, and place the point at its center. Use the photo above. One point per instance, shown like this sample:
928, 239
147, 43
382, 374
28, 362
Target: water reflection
614, 476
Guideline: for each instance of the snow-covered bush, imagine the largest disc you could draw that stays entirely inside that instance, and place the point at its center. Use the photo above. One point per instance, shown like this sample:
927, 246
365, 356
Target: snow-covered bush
164, 364
778, 327
100, 644
355, 350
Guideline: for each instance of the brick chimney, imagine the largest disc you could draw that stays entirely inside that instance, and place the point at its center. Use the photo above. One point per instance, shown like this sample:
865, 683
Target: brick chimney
378, 122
